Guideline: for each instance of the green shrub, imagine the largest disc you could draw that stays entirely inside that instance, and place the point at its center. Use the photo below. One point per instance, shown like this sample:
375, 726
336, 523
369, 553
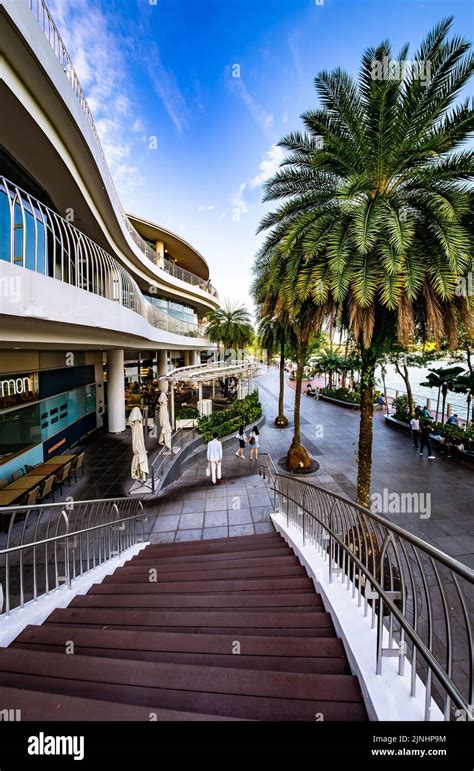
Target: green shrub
456, 433
401, 408
343, 394
241, 413
187, 413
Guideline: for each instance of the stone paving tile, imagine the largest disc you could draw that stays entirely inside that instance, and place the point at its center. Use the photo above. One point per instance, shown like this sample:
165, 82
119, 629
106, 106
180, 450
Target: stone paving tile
189, 535
215, 532
162, 537
264, 527
240, 517
163, 524
192, 505
235, 530
261, 514
214, 519
216, 504
191, 521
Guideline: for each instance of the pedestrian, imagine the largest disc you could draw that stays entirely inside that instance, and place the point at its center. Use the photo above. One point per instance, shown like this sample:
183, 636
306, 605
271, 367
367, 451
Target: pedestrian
214, 458
242, 440
425, 413
452, 420
254, 442
415, 430
426, 440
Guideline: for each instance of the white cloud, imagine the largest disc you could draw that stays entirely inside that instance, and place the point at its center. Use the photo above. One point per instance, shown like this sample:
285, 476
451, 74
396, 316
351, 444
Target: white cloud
262, 118
268, 166
209, 207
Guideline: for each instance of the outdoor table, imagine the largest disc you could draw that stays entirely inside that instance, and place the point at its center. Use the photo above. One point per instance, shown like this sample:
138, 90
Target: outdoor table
8, 497
46, 468
27, 482
62, 459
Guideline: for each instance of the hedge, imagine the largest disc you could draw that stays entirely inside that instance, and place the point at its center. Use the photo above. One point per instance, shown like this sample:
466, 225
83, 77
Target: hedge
242, 413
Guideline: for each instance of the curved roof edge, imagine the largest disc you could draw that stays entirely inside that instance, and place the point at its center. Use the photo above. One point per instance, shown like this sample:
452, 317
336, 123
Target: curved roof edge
162, 233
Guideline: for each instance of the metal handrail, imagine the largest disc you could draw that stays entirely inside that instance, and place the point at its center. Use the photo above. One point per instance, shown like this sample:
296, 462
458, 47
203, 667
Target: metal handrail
91, 533
45, 20
41, 240
396, 573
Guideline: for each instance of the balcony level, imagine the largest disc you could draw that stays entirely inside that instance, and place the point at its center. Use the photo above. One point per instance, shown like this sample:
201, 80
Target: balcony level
51, 271
48, 130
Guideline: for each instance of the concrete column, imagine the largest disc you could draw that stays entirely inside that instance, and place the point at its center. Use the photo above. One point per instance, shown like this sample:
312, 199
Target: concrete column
116, 391
187, 358
162, 359
200, 398
450, 410
195, 358
428, 404
172, 406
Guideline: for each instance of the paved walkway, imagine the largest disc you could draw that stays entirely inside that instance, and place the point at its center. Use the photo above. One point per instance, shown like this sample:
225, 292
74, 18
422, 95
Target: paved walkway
331, 434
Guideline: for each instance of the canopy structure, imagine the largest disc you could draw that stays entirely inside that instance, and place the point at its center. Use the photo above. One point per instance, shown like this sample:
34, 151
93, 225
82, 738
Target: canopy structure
199, 374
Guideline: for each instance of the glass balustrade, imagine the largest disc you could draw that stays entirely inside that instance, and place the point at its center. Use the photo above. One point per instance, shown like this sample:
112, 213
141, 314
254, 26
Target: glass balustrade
36, 238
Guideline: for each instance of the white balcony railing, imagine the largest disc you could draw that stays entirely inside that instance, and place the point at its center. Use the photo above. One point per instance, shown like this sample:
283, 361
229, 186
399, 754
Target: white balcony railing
46, 22
35, 237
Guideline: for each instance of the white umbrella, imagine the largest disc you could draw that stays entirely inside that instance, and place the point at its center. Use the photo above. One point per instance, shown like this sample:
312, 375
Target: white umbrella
139, 460
165, 425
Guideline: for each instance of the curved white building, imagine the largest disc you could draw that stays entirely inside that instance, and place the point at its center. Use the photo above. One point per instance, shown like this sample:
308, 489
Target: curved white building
88, 294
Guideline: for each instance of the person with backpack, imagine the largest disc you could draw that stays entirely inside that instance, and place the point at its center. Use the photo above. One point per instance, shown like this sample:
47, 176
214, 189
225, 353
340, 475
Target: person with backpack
242, 440
254, 442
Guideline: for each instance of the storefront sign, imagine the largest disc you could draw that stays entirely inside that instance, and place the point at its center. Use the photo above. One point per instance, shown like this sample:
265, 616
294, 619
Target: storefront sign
17, 389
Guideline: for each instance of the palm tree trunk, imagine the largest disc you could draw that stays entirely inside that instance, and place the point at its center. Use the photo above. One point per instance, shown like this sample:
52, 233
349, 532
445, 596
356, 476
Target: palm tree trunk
367, 385
282, 420
437, 403
406, 378
297, 455
443, 406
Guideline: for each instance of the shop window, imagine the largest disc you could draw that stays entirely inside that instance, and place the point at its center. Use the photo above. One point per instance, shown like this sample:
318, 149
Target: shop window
4, 227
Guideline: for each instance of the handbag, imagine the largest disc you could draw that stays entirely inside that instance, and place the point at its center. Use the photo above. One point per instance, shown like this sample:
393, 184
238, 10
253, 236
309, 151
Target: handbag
252, 439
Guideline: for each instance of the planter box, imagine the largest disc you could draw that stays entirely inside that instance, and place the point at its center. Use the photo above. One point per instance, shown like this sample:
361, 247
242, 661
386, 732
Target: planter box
186, 423
350, 405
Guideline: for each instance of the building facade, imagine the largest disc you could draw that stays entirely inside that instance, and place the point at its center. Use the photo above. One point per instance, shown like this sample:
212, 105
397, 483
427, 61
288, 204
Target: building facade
92, 299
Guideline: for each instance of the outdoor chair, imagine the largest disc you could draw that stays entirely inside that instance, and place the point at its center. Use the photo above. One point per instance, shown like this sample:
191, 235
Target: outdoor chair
78, 464
47, 488
32, 497
62, 475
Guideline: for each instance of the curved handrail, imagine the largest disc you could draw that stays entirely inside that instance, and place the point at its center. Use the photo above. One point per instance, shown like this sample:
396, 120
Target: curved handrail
42, 240
393, 570
45, 20
91, 537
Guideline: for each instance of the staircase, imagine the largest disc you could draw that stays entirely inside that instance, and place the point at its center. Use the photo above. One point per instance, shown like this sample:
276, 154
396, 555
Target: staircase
227, 629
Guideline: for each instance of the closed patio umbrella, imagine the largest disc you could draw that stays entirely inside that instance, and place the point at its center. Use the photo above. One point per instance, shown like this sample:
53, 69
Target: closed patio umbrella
165, 425
139, 461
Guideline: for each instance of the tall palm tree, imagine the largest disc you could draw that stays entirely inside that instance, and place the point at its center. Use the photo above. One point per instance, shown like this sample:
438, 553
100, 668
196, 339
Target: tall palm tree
273, 335
374, 219
231, 325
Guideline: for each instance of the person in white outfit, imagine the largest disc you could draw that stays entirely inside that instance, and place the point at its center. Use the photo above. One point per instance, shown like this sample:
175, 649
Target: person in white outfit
214, 457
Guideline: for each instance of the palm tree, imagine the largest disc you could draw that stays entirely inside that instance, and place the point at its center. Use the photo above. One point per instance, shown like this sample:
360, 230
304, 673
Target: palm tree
442, 378
231, 325
273, 335
330, 363
375, 205
464, 384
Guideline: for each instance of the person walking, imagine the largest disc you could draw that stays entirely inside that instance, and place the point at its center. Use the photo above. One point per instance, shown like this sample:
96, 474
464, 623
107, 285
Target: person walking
415, 430
254, 442
426, 440
214, 458
242, 440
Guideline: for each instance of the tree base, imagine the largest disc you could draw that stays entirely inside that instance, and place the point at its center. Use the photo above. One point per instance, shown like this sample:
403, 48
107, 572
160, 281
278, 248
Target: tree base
281, 422
300, 470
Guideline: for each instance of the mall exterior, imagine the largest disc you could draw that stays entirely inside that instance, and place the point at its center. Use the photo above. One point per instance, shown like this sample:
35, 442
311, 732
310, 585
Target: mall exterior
88, 293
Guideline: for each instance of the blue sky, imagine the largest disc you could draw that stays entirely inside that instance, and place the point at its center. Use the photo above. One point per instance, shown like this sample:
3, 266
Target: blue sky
189, 145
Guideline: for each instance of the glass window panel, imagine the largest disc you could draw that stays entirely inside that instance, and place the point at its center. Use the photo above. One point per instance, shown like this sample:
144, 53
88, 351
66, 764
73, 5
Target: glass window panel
4, 227
19, 429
